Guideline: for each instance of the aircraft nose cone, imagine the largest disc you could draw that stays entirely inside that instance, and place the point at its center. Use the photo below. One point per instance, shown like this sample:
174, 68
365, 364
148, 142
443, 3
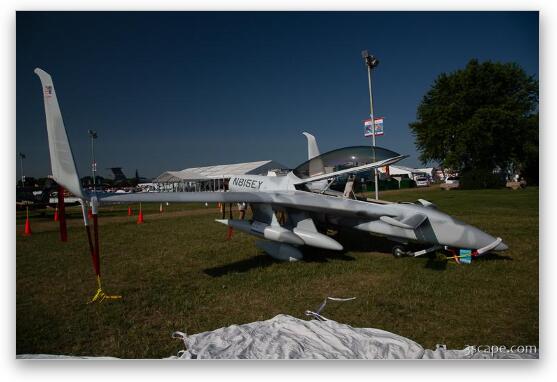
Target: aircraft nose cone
501, 247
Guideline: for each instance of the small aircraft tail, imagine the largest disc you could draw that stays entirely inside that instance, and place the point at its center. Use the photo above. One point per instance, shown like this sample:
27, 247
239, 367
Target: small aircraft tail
313, 150
316, 166
61, 157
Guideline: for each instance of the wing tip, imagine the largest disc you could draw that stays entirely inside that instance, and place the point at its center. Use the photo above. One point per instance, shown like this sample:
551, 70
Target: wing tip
42, 74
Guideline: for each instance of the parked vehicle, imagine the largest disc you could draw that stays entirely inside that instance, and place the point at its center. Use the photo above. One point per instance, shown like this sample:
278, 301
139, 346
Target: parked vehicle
453, 180
422, 181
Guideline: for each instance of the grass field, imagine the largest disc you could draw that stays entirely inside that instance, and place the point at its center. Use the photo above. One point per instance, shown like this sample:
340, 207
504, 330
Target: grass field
177, 272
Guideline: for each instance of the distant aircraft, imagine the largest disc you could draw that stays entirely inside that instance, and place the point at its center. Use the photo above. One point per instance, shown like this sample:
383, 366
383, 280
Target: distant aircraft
121, 179
118, 174
303, 195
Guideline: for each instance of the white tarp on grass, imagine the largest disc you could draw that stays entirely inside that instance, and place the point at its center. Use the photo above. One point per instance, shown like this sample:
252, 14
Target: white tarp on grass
287, 337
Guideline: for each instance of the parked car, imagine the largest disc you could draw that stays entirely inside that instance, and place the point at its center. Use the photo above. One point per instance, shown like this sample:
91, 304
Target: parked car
452, 180
421, 181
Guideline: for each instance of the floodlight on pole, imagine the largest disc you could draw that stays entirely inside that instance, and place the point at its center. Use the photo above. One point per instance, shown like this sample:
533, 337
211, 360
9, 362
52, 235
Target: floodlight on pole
21, 158
93, 135
371, 63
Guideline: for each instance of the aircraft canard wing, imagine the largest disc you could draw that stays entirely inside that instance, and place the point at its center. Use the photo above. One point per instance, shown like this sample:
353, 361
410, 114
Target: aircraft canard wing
427, 203
300, 200
411, 222
353, 170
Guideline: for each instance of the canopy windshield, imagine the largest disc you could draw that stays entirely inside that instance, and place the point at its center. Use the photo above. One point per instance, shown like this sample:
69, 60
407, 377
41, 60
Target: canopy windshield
341, 159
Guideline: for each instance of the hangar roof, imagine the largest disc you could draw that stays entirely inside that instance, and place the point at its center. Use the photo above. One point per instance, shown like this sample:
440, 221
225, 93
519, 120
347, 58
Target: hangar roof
218, 171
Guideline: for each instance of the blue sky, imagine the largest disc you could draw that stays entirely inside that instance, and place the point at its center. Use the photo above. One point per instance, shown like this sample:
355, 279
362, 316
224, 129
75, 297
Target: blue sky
170, 90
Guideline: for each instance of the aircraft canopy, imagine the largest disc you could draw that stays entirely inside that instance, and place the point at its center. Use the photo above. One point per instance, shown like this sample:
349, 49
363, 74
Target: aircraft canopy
341, 159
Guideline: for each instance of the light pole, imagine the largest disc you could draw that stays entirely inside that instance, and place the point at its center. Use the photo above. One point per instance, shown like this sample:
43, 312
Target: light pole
21, 158
93, 135
371, 62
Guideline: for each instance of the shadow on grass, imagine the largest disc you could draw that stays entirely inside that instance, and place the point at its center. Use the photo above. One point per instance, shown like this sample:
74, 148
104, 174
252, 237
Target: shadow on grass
311, 255
359, 241
493, 256
435, 263
259, 261
317, 255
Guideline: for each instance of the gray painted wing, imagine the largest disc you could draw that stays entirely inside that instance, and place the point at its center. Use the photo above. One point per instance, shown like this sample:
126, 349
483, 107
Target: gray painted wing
293, 199
352, 170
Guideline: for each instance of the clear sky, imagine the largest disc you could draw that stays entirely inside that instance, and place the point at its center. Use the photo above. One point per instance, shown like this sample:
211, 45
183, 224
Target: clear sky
166, 91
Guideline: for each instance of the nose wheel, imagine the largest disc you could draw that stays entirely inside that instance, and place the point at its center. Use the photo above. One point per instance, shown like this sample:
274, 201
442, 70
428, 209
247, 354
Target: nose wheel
399, 251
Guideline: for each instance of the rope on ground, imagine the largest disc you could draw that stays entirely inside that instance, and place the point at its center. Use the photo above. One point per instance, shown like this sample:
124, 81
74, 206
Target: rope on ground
317, 314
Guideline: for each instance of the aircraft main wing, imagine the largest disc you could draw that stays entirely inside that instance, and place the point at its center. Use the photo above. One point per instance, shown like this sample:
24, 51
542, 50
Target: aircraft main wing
185, 197
301, 200
353, 170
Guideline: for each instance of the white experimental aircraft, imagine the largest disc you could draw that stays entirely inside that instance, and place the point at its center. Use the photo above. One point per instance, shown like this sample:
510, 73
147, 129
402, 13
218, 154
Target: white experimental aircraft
303, 195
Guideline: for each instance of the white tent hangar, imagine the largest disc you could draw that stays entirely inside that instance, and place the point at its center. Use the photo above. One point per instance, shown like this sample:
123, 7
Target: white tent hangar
211, 178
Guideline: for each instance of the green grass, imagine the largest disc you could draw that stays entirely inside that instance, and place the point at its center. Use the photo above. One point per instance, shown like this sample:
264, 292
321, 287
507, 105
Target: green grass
179, 273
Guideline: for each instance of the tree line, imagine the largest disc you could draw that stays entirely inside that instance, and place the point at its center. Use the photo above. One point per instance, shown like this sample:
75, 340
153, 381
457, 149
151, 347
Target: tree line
481, 121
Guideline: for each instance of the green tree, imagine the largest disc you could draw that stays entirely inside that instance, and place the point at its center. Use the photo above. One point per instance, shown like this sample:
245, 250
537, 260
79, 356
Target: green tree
481, 117
29, 182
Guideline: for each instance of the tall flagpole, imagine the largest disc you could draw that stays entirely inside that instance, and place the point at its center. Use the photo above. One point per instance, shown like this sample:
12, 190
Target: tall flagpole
21, 158
93, 135
372, 62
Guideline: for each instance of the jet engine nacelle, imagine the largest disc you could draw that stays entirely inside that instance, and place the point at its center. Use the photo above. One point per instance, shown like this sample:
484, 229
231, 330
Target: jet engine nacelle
263, 230
276, 233
297, 236
317, 239
279, 247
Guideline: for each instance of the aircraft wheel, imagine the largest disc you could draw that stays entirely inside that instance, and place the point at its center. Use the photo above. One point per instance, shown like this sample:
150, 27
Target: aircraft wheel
399, 251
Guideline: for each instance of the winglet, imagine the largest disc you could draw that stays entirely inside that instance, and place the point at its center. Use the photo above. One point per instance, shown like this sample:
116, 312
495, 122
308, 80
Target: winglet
61, 157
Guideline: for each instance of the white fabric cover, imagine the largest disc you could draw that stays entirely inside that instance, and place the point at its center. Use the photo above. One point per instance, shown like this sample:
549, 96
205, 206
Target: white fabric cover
61, 357
287, 337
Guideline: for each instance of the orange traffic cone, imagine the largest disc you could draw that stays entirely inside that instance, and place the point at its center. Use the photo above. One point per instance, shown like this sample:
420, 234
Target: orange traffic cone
130, 213
27, 225
140, 216
160, 208
56, 214
229, 233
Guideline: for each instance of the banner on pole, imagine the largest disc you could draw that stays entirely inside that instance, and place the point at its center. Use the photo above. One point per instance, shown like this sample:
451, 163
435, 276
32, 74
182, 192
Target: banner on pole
368, 128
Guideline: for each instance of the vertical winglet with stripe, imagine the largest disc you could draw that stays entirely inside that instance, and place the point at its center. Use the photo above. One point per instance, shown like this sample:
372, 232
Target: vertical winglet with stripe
61, 157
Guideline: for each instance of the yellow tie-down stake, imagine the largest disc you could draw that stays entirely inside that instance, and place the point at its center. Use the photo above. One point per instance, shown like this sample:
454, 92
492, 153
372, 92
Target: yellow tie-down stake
100, 296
